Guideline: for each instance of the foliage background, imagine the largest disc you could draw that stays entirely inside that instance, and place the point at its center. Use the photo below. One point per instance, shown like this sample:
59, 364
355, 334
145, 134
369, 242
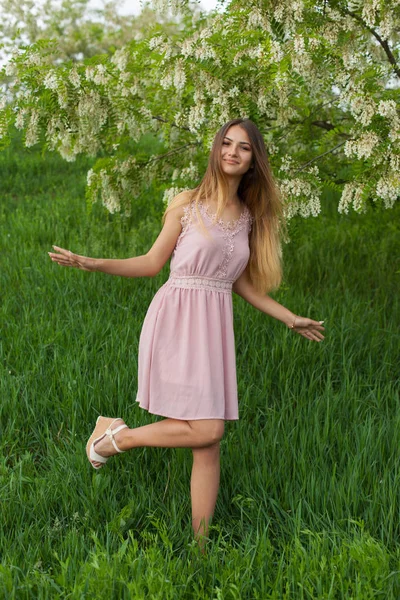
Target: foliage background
320, 79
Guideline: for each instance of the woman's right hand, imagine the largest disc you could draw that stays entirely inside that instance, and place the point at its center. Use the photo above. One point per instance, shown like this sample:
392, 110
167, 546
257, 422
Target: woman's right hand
66, 258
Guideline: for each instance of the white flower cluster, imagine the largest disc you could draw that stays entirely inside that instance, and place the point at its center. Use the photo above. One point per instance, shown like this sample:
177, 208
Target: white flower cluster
363, 108
314, 43
363, 146
156, 42
205, 33
170, 193
166, 81
271, 148
276, 52
301, 61
286, 163
180, 119
205, 51
50, 82
256, 19
125, 166
388, 188
280, 93
10, 69
67, 147
394, 160
369, 11
34, 59
53, 83
288, 13
190, 173
330, 32
3, 128
120, 59
353, 59
257, 52
179, 75
60, 138
264, 105
284, 112
313, 170
114, 183
187, 47
387, 108
233, 92
32, 132
352, 194
297, 8
97, 74
302, 198
110, 197
196, 117
354, 5
92, 114
74, 78
387, 26
91, 177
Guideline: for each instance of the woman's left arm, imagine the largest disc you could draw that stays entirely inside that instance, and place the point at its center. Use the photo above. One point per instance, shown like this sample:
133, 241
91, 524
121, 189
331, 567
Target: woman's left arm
308, 328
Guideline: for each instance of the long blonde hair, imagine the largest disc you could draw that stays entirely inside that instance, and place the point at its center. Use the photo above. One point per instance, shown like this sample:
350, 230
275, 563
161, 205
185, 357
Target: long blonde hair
259, 191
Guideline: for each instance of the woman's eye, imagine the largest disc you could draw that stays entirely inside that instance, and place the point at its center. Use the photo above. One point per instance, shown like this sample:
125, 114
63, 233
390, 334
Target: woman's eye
225, 143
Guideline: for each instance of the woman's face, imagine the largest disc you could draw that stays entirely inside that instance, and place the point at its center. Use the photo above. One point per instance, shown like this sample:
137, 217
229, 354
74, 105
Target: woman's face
236, 149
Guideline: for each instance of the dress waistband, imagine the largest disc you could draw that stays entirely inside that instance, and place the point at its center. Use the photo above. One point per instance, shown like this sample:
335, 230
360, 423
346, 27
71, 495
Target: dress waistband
200, 283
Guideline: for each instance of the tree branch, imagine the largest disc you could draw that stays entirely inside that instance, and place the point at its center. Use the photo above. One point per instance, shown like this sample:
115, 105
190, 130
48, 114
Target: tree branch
328, 127
171, 152
319, 156
166, 121
383, 43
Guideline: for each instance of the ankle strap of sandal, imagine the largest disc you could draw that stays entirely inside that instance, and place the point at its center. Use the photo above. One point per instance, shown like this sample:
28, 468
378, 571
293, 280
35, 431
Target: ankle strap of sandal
111, 432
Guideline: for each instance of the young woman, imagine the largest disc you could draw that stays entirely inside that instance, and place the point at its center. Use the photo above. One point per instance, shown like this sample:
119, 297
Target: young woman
223, 236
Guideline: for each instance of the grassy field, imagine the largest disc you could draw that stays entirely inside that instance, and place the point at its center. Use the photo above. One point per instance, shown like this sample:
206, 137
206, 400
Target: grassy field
309, 502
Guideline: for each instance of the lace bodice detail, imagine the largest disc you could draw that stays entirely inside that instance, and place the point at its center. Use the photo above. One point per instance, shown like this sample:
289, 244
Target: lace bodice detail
225, 235
233, 227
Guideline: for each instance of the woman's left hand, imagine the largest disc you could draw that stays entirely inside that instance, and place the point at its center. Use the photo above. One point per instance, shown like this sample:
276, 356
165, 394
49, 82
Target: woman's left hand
308, 328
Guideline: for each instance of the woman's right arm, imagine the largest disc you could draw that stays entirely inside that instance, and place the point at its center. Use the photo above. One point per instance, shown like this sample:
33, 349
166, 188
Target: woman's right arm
146, 265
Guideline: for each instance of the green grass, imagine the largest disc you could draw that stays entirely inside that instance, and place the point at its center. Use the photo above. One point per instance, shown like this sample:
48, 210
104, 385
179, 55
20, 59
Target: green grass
309, 500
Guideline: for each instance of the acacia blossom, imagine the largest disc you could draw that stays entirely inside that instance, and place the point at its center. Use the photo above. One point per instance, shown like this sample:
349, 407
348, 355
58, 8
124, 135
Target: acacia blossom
316, 87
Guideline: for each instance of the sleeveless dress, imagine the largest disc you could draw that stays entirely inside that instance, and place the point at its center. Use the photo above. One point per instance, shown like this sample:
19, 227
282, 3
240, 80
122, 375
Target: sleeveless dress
186, 361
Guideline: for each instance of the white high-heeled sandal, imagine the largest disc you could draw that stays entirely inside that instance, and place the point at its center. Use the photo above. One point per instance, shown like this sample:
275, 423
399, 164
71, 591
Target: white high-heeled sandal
91, 452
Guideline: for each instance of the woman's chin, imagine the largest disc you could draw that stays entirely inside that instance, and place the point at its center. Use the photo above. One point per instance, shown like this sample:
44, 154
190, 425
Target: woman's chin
232, 172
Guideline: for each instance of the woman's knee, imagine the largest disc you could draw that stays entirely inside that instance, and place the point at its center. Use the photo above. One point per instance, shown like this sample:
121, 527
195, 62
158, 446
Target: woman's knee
217, 430
209, 431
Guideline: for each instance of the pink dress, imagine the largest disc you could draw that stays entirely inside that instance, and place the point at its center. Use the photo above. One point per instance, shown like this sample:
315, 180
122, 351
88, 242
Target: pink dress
187, 362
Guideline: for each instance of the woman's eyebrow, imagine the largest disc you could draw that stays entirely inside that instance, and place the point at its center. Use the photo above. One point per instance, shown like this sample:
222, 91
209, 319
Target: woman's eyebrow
228, 138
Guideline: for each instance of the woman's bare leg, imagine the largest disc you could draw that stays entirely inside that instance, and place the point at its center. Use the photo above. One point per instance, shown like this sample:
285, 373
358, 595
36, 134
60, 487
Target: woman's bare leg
168, 433
203, 436
204, 487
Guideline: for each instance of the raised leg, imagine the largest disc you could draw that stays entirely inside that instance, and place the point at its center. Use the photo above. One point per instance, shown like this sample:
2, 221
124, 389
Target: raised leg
204, 487
203, 436
168, 433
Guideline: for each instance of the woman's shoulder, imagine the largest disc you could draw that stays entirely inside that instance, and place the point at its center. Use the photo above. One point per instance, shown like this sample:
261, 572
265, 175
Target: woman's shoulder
182, 199
180, 205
